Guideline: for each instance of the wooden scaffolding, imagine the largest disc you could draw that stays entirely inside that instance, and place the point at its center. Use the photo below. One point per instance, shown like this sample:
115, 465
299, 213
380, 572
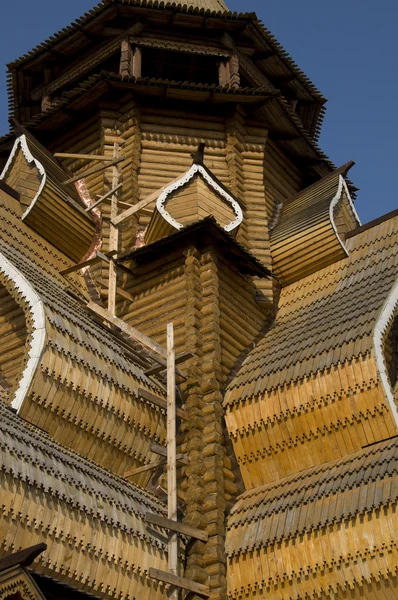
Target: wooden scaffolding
164, 359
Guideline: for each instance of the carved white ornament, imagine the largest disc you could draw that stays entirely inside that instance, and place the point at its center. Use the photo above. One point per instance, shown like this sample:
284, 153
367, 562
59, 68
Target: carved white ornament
22, 143
38, 336
338, 197
189, 175
384, 320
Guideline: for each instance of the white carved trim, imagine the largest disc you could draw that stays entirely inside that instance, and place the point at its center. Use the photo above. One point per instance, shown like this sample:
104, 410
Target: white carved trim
342, 187
350, 202
383, 322
189, 175
23, 144
38, 336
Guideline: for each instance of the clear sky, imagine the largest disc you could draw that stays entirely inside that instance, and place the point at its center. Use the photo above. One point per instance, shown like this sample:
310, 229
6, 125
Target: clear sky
348, 48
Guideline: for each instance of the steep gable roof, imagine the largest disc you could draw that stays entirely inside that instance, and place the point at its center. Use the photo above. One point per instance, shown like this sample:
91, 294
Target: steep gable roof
91, 520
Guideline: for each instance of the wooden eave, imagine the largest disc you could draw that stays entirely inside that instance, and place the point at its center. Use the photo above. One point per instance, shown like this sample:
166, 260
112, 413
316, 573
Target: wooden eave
203, 233
95, 25
102, 14
272, 107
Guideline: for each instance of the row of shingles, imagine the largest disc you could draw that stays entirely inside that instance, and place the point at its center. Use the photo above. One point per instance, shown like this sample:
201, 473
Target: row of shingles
306, 328
292, 314
51, 494
319, 390
306, 505
340, 556
365, 465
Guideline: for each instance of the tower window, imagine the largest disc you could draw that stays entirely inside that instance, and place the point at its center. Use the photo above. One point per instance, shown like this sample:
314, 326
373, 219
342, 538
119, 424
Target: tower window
179, 66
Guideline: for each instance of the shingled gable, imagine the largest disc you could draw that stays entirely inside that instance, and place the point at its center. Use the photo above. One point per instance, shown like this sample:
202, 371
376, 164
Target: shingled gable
51, 207
312, 226
195, 195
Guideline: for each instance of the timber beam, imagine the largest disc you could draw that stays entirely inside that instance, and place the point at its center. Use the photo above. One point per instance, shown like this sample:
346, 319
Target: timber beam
180, 358
187, 530
180, 582
100, 256
161, 403
162, 451
102, 167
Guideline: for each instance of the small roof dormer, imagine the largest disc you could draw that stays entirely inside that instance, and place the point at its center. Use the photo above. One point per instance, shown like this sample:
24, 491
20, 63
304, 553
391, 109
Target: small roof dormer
192, 197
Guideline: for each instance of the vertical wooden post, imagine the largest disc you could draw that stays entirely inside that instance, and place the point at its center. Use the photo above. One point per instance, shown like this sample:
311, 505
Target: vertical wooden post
234, 71
113, 237
171, 455
137, 62
223, 73
126, 59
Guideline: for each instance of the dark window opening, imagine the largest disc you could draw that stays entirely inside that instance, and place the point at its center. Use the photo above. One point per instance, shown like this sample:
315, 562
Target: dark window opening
179, 66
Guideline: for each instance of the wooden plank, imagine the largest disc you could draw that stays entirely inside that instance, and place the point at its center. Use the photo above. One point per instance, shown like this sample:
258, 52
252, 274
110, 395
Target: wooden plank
148, 467
187, 530
82, 156
128, 329
113, 234
87, 263
162, 451
104, 197
134, 209
171, 457
161, 402
94, 170
180, 582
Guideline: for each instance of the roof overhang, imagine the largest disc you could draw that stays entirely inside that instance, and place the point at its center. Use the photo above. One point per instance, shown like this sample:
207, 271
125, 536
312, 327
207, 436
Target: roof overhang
202, 234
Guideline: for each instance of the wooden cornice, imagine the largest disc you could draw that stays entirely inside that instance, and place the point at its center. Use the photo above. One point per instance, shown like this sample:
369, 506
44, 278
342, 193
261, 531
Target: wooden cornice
23, 558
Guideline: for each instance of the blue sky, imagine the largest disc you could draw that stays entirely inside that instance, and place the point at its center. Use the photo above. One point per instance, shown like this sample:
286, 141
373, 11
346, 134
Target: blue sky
348, 48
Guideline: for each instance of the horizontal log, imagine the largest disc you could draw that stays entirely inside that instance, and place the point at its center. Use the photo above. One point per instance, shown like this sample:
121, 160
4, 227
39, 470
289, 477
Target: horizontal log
82, 156
187, 530
180, 582
161, 402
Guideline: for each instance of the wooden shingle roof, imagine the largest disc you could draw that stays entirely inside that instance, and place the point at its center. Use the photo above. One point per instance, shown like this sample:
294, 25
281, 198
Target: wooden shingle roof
337, 519
325, 318
317, 385
91, 520
79, 380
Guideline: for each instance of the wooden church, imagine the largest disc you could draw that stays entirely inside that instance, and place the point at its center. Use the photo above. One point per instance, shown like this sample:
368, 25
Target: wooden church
198, 338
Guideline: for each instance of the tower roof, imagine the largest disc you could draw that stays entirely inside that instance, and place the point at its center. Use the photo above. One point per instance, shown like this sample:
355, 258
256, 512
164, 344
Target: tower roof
208, 4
